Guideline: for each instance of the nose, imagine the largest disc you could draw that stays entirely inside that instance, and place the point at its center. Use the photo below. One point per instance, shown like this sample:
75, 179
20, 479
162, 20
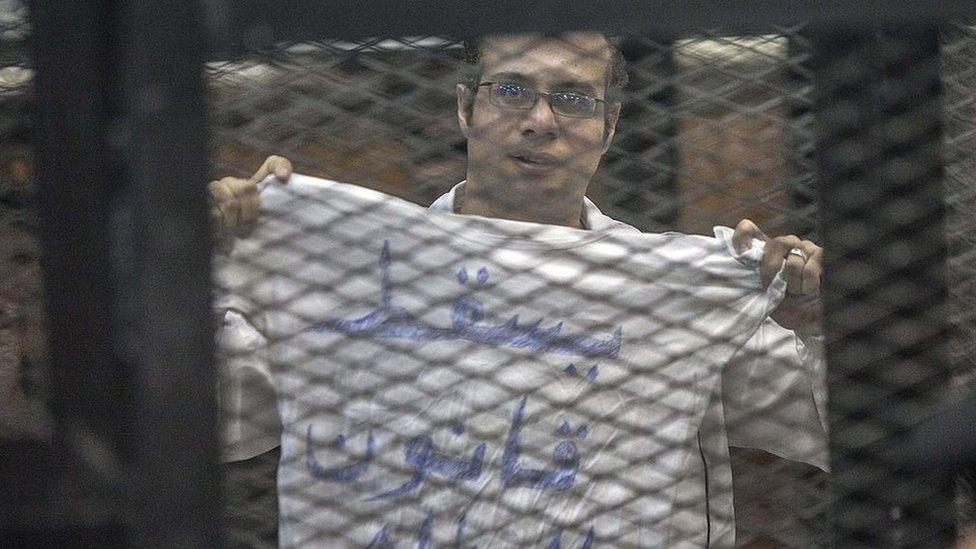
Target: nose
539, 121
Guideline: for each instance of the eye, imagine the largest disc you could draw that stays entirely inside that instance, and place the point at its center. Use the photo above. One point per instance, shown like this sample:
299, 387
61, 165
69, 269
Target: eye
571, 98
508, 89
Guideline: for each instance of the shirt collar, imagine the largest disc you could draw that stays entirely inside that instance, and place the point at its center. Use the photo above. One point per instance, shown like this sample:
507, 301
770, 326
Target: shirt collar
593, 219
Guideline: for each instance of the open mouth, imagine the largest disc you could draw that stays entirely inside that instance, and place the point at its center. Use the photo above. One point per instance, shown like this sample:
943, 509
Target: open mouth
533, 164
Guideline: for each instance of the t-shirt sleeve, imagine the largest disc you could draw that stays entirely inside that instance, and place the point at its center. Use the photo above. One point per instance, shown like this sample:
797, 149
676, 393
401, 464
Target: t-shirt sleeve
249, 421
246, 285
249, 424
774, 395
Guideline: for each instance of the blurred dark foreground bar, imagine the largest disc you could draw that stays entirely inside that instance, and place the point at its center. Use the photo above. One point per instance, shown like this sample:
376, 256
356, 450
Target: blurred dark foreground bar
121, 153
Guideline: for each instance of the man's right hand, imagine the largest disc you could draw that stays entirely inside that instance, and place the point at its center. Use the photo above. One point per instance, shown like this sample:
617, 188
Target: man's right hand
235, 202
801, 309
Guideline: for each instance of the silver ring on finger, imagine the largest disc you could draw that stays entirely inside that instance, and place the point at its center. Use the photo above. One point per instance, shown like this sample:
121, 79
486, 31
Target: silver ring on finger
799, 253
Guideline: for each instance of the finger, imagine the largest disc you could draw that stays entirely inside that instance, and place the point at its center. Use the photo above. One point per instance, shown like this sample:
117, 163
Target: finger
220, 195
263, 171
248, 200
250, 206
793, 274
280, 167
217, 193
775, 254
239, 187
227, 203
222, 237
216, 221
813, 269
744, 233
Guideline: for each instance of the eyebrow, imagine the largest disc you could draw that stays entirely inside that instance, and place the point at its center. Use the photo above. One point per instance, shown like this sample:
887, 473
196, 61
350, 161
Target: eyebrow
575, 86
513, 77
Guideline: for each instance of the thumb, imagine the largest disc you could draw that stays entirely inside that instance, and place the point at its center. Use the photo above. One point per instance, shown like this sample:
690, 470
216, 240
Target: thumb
280, 167
745, 232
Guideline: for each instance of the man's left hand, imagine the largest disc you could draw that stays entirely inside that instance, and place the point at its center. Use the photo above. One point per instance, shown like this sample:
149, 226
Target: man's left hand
801, 309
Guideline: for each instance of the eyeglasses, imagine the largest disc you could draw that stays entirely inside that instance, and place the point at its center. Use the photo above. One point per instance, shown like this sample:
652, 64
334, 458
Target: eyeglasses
509, 95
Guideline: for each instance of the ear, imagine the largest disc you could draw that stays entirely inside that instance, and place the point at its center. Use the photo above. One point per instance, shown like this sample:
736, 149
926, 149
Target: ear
463, 111
613, 114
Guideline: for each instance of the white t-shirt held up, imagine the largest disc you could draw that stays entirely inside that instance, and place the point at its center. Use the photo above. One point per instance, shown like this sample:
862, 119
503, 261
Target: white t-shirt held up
444, 379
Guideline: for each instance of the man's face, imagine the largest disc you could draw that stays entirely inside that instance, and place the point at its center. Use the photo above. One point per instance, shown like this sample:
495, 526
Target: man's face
537, 150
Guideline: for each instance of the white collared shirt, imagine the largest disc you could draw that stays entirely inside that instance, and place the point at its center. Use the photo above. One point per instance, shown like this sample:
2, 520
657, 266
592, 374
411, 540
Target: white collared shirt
590, 215
405, 347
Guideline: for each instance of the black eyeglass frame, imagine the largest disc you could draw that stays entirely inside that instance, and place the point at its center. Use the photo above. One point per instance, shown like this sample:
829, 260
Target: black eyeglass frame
535, 98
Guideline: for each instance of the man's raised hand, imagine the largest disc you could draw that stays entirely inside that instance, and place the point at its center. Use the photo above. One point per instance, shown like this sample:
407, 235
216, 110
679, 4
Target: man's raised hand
801, 309
235, 202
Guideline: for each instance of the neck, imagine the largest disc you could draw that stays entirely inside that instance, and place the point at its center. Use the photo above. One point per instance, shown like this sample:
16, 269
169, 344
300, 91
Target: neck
549, 208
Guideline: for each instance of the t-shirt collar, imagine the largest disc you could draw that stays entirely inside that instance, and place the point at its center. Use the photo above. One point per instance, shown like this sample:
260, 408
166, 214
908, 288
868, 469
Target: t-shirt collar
593, 219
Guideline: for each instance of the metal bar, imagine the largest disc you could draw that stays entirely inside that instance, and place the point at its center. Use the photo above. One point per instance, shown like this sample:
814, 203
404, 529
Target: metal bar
880, 167
636, 180
256, 23
162, 252
121, 163
74, 100
73, 52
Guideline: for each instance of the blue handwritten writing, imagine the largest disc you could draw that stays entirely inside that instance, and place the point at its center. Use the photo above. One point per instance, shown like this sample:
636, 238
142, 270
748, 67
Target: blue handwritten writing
426, 530
459, 535
592, 372
565, 455
348, 473
556, 542
383, 540
425, 460
392, 321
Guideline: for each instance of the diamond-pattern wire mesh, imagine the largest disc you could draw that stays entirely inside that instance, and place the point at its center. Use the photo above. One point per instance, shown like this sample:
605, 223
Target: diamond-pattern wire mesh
959, 78
714, 129
21, 341
388, 121
336, 533
728, 122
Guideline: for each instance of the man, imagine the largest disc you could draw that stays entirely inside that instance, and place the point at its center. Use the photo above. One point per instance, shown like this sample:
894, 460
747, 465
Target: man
538, 119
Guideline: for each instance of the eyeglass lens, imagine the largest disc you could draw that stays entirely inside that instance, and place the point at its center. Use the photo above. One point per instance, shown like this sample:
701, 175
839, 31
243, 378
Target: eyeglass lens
516, 96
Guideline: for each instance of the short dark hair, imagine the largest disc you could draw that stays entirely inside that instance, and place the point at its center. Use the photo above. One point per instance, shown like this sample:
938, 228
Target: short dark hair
616, 78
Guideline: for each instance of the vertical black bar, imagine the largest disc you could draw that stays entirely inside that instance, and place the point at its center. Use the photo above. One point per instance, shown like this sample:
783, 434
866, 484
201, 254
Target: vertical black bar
74, 53
163, 253
800, 182
881, 169
121, 163
74, 57
640, 170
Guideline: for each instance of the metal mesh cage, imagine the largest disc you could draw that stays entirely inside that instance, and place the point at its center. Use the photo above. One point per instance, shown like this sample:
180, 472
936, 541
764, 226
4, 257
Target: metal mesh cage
714, 129
388, 375
674, 161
